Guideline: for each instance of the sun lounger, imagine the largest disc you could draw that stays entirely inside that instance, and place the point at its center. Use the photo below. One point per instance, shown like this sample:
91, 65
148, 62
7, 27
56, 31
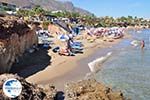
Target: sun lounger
56, 49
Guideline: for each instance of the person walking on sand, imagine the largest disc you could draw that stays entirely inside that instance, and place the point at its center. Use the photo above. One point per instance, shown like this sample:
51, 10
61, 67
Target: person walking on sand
142, 44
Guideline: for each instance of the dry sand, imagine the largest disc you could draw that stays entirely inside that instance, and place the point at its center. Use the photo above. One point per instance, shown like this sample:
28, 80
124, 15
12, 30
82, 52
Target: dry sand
66, 69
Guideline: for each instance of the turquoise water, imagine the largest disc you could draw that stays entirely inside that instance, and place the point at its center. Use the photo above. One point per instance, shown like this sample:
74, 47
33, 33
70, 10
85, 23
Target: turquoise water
128, 69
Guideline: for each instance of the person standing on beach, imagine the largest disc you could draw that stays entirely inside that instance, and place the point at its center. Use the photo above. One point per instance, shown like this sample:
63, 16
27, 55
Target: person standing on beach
142, 44
69, 42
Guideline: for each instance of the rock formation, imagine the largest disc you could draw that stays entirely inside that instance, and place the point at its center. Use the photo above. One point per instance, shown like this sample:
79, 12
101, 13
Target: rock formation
55, 29
90, 90
82, 90
29, 91
15, 38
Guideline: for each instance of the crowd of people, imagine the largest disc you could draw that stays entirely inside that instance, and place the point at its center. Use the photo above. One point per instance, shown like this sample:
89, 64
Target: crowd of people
71, 46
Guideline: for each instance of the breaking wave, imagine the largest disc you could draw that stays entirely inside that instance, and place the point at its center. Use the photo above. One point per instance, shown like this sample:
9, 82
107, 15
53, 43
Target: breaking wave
95, 65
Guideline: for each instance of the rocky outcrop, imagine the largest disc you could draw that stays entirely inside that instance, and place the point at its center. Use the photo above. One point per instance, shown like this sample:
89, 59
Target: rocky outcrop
29, 91
90, 90
55, 29
82, 90
15, 38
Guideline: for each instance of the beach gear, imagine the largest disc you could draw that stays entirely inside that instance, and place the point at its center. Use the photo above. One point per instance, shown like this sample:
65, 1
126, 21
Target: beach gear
77, 44
45, 45
114, 32
63, 37
77, 49
44, 38
56, 49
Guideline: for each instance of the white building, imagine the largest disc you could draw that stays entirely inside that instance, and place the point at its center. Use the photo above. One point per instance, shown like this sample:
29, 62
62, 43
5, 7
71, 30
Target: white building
57, 11
8, 8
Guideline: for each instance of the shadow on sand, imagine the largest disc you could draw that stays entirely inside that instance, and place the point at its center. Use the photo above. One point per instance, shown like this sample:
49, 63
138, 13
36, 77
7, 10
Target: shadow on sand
30, 64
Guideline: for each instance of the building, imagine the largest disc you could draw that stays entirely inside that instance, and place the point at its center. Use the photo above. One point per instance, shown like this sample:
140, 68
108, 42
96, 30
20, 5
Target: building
8, 8
57, 11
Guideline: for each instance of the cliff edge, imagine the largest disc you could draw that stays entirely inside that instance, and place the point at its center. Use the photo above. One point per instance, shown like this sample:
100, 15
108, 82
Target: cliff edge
15, 38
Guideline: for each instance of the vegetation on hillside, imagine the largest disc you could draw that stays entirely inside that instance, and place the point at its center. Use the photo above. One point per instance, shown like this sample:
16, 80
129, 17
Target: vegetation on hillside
89, 20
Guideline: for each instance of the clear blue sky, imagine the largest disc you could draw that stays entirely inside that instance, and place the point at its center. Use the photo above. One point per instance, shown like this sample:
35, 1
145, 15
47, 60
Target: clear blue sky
115, 8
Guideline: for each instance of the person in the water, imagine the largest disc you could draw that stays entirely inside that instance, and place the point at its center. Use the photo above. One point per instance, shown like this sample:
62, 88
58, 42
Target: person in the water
142, 44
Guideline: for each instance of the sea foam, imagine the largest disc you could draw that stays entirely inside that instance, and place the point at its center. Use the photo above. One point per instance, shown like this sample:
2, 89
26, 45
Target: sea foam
94, 66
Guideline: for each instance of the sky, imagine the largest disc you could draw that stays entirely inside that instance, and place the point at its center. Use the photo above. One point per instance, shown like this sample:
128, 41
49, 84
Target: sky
115, 8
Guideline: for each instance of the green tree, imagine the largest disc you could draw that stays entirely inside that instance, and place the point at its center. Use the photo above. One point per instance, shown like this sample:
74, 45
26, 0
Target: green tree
75, 15
38, 10
22, 12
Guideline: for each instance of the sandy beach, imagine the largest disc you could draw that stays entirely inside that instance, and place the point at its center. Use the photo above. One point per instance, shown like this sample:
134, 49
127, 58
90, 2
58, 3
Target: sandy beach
67, 69
74, 50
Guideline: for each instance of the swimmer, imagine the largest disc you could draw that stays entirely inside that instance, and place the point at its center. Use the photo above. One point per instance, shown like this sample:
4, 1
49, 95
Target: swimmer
142, 44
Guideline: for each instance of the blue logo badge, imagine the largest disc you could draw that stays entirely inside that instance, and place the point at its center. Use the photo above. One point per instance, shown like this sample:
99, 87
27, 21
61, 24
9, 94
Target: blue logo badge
12, 88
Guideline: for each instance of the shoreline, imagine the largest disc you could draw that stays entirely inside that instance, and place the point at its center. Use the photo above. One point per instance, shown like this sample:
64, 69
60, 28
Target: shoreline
69, 69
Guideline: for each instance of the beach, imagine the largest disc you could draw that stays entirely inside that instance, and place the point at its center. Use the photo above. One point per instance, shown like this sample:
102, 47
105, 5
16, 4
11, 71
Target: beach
74, 50
68, 69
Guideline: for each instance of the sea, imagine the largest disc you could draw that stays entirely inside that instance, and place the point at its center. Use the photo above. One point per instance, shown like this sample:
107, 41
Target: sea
128, 69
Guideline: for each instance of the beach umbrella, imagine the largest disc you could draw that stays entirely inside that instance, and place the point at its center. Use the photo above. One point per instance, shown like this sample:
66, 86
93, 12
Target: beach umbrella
63, 37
